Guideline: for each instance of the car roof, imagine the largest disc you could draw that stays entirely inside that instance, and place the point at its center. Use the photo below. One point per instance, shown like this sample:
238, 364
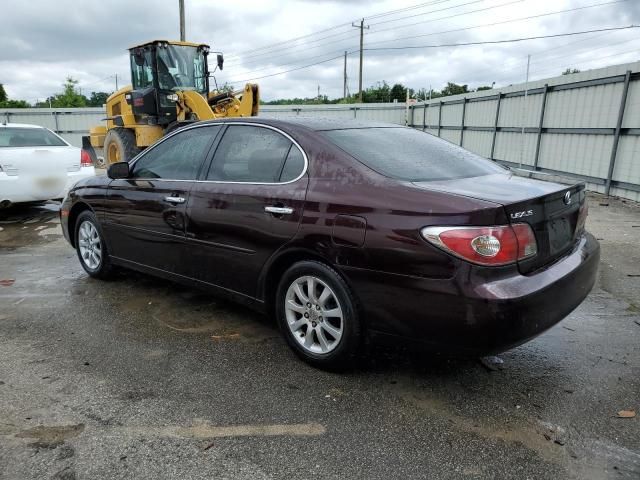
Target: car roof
312, 123
19, 125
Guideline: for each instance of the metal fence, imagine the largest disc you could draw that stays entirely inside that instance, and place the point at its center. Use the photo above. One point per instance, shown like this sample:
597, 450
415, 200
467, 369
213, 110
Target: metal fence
584, 126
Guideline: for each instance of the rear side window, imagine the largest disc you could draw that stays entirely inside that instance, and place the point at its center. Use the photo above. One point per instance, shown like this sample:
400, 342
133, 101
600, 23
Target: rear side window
293, 166
178, 157
29, 137
249, 154
409, 154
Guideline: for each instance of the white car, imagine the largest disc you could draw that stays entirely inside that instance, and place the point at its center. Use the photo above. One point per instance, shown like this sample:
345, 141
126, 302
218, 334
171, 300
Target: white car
36, 164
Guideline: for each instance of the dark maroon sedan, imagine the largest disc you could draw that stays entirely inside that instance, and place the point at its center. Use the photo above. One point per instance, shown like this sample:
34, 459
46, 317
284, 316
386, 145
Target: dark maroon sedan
344, 231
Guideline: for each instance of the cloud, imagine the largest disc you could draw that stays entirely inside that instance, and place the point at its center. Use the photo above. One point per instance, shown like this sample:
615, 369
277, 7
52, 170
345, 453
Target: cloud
43, 42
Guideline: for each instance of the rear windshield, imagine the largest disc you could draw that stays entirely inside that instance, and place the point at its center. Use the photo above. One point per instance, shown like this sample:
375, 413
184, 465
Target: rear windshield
409, 154
29, 137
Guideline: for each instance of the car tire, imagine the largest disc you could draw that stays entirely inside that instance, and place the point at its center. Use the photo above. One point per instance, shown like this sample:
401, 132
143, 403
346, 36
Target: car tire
323, 328
91, 247
120, 146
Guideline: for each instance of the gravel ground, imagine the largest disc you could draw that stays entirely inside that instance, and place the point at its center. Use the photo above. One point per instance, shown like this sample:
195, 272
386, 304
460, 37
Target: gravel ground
141, 378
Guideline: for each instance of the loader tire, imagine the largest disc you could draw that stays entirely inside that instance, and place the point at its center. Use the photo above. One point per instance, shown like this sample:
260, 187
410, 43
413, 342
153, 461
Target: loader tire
120, 145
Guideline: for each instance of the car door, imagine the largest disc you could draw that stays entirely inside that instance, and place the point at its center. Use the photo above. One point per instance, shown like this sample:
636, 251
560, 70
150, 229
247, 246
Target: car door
248, 203
145, 213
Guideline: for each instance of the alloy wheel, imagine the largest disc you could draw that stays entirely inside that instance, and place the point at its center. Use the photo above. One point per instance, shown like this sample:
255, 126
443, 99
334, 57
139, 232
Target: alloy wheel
314, 315
89, 245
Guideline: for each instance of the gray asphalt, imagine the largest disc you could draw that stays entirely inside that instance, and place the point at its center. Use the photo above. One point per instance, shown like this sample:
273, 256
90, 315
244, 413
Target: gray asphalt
141, 378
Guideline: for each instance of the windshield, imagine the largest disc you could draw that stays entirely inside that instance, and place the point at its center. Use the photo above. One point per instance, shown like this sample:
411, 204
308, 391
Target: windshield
29, 137
409, 154
181, 68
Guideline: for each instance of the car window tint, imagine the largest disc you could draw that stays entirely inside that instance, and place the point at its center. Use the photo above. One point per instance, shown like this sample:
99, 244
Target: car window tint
29, 137
293, 166
409, 154
178, 157
249, 154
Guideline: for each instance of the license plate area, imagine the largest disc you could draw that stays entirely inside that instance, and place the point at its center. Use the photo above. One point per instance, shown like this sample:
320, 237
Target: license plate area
560, 234
49, 183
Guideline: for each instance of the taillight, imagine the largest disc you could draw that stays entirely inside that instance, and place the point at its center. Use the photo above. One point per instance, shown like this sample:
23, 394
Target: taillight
85, 159
499, 245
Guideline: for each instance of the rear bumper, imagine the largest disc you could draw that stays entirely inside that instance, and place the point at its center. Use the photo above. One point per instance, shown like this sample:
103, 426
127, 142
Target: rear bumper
478, 311
25, 188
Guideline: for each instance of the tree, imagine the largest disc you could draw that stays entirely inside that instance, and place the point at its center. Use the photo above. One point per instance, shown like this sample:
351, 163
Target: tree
380, 92
569, 71
5, 102
485, 87
454, 89
97, 99
14, 104
69, 97
398, 92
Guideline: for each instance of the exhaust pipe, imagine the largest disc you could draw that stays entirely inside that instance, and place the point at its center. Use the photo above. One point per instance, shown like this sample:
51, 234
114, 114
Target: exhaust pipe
5, 204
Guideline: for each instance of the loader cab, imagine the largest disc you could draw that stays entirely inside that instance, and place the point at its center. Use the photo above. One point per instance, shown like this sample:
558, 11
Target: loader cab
161, 68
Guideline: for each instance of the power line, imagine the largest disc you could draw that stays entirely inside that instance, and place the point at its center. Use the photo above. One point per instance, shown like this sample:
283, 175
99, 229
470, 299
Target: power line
512, 40
391, 12
493, 24
306, 47
450, 31
287, 71
515, 68
588, 60
450, 16
405, 9
254, 53
421, 14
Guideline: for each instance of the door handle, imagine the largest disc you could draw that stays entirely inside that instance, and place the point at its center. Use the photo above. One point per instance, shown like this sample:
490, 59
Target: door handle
174, 199
279, 210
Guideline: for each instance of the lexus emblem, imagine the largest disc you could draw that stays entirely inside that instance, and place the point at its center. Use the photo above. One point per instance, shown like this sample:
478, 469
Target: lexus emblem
567, 198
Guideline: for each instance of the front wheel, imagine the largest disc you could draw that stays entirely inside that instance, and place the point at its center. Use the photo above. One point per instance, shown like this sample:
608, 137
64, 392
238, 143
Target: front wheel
91, 247
120, 145
318, 315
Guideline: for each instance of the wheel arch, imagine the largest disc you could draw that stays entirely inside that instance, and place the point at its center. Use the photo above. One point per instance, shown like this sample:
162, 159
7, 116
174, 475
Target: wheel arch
74, 213
279, 263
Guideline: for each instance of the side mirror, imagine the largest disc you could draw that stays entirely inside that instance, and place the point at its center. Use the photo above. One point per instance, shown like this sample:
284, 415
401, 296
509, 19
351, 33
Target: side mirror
220, 60
118, 170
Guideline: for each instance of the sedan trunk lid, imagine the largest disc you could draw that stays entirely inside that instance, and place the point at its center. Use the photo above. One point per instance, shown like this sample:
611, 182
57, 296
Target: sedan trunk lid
551, 209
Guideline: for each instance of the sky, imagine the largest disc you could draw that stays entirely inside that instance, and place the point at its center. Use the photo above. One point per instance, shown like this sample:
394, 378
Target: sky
42, 41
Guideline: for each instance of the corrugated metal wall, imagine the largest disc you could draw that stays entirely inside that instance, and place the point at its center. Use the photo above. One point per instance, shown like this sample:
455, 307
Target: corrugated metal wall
564, 125
569, 124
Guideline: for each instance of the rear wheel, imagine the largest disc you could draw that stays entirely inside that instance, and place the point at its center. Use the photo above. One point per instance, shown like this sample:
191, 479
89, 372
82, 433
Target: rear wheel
120, 145
317, 314
91, 247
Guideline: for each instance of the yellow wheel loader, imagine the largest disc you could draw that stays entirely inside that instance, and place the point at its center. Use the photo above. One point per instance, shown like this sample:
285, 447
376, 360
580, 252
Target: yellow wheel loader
170, 88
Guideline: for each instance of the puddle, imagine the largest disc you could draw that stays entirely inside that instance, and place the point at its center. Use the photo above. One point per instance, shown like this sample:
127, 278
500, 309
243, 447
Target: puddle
51, 436
191, 311
26, 225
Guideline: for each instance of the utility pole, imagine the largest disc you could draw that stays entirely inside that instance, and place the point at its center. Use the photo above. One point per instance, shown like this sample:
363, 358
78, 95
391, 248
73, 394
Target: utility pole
116, 82
361, 27
318, 93
182, 34
344, 84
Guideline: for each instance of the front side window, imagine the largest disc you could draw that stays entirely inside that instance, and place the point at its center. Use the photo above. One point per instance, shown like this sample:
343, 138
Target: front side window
178, 157
250, 154
181, 68
142, 68
29, 137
